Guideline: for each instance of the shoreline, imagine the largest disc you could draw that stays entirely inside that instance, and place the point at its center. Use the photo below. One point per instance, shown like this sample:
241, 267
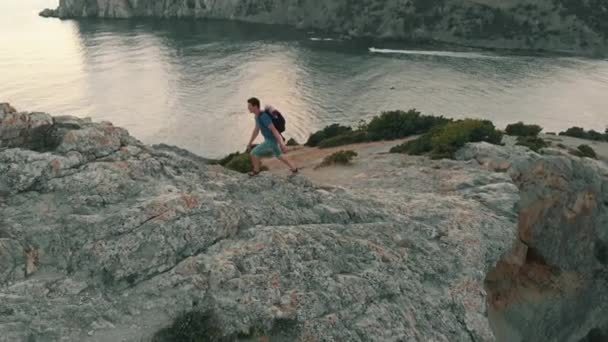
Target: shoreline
380, 42
440, 35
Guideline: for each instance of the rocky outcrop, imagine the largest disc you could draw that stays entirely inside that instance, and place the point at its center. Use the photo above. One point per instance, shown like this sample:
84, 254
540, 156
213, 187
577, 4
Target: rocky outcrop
553, 285
564, 25
103, 238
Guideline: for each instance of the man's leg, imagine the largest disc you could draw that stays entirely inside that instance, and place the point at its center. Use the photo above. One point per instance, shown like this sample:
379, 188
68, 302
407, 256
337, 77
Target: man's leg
256, 156
286, 161
279, 155
255, 163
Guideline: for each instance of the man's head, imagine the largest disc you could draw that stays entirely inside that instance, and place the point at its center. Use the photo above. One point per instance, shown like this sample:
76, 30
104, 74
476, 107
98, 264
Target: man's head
253, 104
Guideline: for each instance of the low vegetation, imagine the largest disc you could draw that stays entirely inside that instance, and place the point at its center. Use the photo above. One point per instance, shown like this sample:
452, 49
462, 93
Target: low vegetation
203, 326
581, 133
191, 326
527, 135
240, 162
292, 142
584, 151
522, 130
439, 137
444, 140
328, 132
386, 126
399, 124
339, 158
353, 137
532, 142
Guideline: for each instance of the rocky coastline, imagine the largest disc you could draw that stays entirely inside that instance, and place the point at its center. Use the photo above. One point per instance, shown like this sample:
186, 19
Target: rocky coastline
103, 238
561, 26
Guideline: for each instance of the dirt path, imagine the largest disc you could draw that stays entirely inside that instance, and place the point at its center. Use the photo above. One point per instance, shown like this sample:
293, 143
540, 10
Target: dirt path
307, 158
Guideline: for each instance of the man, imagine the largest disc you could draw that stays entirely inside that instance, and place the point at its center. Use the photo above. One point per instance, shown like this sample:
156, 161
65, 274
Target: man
273, 141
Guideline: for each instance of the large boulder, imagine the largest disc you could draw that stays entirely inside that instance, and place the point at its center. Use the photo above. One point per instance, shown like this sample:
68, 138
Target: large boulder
552, 287
6, 108
24, 130
103, 238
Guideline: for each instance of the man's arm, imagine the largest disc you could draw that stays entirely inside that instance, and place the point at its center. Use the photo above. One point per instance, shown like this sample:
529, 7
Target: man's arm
254, 135
278, 136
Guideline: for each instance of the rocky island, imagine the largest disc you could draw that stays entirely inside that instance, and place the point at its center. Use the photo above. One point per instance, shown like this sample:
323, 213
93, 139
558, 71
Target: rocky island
552, 25
103, 238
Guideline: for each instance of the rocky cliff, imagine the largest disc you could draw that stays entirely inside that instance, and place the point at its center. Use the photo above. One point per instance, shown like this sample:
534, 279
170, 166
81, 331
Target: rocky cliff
563, 25
103, 238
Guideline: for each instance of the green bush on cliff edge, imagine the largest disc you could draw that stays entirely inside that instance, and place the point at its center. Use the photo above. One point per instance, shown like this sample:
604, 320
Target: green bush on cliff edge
386, 126
444, 141
239, 162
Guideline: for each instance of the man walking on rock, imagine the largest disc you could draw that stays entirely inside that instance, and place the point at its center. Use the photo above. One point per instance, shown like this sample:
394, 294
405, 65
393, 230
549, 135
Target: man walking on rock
273, 141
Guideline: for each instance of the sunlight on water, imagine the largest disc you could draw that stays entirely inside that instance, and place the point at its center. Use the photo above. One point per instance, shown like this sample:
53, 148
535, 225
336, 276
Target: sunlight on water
186, 82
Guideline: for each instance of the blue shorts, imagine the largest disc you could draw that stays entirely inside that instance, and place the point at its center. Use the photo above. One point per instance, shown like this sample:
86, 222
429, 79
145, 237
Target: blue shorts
267, 148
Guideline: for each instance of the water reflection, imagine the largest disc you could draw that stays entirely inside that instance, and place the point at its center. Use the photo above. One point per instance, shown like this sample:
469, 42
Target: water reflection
186, 82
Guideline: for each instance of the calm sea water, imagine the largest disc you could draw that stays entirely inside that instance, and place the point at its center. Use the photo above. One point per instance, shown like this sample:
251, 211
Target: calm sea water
186, 82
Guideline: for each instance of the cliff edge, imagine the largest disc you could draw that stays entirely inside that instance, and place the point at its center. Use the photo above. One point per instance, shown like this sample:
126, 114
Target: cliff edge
103, 238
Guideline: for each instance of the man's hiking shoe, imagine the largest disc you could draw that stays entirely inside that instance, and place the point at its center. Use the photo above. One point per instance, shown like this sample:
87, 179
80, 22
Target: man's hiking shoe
253, 173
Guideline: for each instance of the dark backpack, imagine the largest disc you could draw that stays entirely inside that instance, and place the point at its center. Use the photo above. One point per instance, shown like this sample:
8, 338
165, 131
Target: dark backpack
277, 120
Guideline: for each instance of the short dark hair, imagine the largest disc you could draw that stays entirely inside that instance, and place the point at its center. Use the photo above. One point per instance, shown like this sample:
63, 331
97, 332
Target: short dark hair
254, 101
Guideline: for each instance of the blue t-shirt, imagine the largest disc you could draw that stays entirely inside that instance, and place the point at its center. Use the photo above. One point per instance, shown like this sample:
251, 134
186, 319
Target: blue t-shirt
263, 121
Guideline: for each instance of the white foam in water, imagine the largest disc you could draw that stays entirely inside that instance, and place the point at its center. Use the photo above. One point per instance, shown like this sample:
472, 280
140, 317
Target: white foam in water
321, 39
433, 53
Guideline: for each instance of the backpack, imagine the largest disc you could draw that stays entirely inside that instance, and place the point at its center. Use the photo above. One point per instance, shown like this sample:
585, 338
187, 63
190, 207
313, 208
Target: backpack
277, 120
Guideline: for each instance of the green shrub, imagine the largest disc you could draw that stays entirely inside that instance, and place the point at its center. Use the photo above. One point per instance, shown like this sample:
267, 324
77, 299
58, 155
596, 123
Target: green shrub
522, 130
204, 326
585, 151
533, 143
240, 162
326, 133
444, 141
292, 142
415, 147
419, 146
345, 139
224, 160
399, 124
402, 148
597, 136
362, 126
192, 326
578, 132
387, 126
455, 135
340, 157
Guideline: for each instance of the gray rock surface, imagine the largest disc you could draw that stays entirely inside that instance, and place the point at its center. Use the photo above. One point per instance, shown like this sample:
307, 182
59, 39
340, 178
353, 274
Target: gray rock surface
103, 238
5, 109
558, 25
553, 286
